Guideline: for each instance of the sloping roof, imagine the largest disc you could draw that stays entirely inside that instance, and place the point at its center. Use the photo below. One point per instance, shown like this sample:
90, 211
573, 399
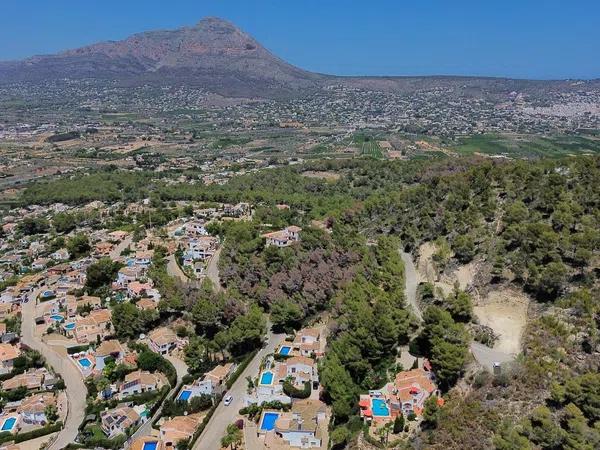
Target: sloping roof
109, 347
220, 372
8, 352
162, 336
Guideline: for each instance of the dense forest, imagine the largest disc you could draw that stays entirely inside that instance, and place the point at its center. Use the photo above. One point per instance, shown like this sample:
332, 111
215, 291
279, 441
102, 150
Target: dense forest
533, 225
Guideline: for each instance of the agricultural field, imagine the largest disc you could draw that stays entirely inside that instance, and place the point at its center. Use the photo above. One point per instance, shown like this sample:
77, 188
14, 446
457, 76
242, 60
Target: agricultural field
527, 146
371, 149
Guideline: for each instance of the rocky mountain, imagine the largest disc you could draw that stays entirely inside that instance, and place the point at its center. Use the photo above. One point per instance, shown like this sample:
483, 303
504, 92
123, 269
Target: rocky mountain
214, 55
219, 57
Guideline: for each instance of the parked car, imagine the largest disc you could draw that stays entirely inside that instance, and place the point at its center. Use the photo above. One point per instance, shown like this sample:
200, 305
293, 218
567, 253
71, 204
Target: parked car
227, 400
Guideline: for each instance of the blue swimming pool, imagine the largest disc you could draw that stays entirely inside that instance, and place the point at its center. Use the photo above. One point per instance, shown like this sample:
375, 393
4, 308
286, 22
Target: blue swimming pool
285, 350
70, 326
9, 424
268, 421
150, 445
266, 378
57, 317
85, 363
47, 294
184, 395
379, 407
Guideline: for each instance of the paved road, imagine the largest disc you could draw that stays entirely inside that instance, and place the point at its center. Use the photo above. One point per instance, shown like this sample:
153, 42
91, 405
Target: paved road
75, 388
410, 276
483, 354
210, 439
487, 356
212, 270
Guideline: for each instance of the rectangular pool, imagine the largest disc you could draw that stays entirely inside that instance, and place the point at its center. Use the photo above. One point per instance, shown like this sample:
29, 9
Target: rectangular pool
379, 407
8, 424
285, 350
85, 363
150, 445
268, 421
184, 395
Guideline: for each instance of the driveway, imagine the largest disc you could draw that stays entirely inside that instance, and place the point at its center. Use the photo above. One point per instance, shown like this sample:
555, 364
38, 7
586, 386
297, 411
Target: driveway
174, 270
410, 278
212, 270
75, 388
210, 439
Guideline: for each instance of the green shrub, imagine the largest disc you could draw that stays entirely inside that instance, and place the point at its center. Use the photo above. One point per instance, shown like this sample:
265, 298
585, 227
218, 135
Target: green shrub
292, 391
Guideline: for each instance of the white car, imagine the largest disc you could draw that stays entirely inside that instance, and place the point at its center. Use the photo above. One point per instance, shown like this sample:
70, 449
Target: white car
227, 400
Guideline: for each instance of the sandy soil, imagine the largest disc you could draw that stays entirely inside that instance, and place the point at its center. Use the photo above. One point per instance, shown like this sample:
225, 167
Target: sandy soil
424, 264
505, 311
329, 176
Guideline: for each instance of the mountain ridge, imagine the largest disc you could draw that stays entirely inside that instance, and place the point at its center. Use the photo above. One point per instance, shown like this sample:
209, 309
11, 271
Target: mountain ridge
216, 55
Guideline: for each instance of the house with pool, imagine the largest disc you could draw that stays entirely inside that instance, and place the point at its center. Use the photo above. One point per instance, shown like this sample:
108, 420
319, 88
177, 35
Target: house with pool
405, 395
97, 324
213, 383
268, 388
303, 426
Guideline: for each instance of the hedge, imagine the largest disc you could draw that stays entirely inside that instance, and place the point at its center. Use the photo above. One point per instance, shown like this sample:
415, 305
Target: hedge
77, 349
291, 391
240, 369
21, 437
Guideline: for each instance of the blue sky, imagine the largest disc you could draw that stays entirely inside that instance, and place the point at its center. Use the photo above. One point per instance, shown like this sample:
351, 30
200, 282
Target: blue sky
525, 39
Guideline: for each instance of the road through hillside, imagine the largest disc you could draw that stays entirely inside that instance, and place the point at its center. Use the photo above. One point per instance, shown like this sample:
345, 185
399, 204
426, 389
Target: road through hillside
75, 388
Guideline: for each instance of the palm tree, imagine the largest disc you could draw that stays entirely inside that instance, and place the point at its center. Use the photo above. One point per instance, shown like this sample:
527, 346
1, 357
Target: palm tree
233, 437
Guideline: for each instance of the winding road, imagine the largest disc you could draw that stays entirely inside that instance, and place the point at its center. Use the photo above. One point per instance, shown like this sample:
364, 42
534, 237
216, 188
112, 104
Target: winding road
75, 388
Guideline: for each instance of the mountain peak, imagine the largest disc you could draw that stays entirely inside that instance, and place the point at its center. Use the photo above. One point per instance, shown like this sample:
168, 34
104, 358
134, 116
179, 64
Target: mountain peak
213, 21
213, 54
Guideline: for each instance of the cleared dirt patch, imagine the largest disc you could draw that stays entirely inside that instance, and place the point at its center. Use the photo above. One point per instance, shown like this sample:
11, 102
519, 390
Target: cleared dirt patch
505, 311
329, 176
425, 268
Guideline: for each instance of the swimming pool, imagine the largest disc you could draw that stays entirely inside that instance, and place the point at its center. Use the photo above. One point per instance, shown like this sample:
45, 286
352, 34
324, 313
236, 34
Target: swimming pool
150, 445
85, 363
285, 350
8, 424
268, 422
57, 317
70, 326
47, 294
184, 395
379, 407
266, 378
